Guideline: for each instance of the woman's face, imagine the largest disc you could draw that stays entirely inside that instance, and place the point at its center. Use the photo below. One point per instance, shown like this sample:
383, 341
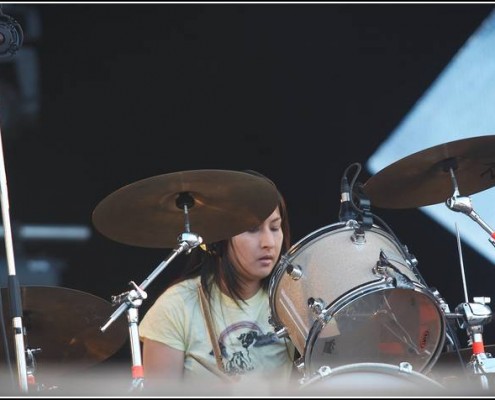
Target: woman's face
254, 253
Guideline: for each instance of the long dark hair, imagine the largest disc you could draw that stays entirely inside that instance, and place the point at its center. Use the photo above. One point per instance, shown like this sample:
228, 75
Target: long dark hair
211, 263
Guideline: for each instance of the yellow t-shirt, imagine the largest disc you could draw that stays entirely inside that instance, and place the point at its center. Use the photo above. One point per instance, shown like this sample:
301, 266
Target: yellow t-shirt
247, 341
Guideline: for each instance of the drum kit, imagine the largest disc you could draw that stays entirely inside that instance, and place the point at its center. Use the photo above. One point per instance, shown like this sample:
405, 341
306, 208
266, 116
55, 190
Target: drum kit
349, 296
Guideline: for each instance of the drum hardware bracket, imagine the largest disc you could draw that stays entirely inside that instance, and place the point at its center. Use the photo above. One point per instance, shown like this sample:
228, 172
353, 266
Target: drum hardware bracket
358, 237
391, 273
464, 205
385, 258
133, 297
482, 364
352, 223
282, 332
447, 313
322, 372
317, 306
443, 304
190, 240
299, 364
401, 281
410, 258
405, 367
411, 262
475, 314
294, 271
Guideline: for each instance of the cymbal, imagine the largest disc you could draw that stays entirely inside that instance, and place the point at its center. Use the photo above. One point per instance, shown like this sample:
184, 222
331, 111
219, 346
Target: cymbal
423, 178
222, 204
65, 325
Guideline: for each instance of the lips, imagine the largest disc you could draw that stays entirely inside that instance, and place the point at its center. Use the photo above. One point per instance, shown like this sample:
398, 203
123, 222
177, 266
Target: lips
266, 261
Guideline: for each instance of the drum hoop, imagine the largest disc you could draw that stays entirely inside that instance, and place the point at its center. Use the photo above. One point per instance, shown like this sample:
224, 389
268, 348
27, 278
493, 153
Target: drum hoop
358, 292
373, 367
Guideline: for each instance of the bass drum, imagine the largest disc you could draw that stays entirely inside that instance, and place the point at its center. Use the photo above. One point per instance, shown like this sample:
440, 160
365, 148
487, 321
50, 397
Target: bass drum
346, 295
366, 378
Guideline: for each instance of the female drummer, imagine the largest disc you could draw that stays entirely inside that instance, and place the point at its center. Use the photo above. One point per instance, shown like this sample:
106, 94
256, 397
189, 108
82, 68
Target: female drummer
212, 324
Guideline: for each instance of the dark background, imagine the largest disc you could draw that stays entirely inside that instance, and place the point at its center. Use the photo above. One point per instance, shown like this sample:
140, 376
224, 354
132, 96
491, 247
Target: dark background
297, 92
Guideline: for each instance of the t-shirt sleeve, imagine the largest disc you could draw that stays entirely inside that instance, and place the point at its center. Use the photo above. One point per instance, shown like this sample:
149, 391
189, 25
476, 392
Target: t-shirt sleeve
165, 320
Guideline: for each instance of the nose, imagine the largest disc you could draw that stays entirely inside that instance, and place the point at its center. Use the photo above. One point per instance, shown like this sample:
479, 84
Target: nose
267, 238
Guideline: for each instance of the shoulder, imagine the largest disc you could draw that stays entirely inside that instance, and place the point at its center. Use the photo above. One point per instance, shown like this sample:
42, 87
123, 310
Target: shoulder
185, 285
184, 289
176, 300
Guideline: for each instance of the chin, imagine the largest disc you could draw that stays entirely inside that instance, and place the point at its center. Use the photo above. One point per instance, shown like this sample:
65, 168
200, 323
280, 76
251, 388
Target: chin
265, 272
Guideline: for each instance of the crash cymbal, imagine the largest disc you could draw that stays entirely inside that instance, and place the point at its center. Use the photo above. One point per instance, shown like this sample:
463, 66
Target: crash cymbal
222, 204
423, 178
65, 325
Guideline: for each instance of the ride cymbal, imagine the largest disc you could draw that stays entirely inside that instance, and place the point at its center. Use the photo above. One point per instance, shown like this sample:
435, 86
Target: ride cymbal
221, 204
65, 325
424, 178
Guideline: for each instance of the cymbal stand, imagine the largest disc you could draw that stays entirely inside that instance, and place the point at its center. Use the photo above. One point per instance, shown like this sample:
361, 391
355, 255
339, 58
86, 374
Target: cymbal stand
473, 316
135, 298
131, 300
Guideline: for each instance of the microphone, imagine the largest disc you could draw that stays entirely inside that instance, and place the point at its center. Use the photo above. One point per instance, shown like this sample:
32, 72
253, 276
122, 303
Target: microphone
346, 212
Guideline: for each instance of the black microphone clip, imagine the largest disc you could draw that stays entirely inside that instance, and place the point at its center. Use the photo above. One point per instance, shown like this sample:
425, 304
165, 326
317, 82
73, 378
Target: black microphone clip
346, 212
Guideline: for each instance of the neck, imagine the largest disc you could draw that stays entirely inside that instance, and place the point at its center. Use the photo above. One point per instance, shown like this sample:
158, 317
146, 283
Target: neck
248, 289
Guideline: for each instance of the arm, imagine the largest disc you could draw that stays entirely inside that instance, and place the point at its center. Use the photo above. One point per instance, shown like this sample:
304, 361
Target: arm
162, 364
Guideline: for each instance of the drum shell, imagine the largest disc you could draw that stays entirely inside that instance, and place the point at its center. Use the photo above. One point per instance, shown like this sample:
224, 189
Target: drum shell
339, 269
